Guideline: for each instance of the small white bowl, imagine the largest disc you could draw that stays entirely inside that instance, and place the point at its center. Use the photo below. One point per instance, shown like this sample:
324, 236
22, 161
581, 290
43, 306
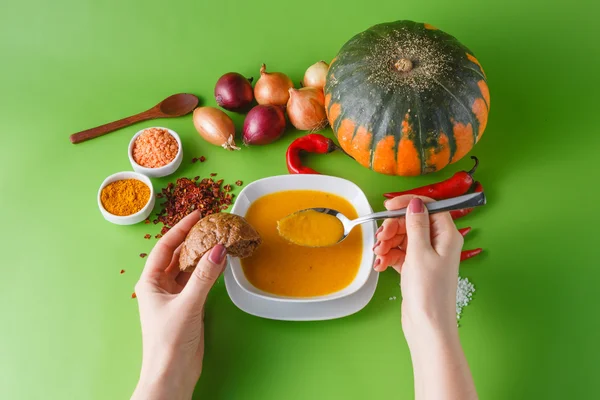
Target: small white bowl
338, 186
160, 171
133, 218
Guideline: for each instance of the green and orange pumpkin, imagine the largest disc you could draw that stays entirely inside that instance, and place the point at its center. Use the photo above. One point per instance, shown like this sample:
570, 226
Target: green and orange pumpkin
404, 98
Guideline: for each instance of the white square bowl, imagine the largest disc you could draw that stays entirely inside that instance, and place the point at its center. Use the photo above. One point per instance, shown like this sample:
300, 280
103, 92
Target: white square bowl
324, 183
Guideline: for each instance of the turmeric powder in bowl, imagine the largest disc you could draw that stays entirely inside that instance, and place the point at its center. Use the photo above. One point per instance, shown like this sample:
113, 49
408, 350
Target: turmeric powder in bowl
125, 197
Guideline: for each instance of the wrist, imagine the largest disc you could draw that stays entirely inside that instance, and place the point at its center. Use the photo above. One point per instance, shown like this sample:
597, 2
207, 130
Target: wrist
421, 328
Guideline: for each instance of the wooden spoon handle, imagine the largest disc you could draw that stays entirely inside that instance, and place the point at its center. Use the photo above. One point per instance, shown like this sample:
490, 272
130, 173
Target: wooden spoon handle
111, 126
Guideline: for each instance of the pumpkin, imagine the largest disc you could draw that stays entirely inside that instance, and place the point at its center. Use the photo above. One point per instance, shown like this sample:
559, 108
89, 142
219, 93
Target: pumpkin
404, 98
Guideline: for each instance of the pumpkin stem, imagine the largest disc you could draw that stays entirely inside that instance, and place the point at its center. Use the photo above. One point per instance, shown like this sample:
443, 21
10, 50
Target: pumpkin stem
403, 65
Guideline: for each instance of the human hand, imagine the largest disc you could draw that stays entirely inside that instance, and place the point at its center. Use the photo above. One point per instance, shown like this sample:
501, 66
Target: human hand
425, 250
171, 306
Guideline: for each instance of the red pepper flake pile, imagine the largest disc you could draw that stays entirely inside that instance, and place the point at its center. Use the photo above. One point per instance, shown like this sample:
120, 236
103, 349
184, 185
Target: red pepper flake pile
147, 236
239, 183
143, 255
187, 195
122, 272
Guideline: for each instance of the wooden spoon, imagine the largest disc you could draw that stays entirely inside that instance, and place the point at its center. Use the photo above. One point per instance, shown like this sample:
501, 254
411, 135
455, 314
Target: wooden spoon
176, 105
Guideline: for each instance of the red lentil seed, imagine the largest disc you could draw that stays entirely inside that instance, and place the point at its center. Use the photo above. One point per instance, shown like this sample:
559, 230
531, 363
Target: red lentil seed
133, 295
122, 272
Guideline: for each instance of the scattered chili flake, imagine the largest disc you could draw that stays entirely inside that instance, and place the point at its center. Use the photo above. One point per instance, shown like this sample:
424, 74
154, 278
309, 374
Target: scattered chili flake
202, 159
194, 160
159, 195
146, 221
196, 178
239, 183
213, 174
147, 236
133, 295
122, 272
143, 255
227, 188
155, 221
158, 236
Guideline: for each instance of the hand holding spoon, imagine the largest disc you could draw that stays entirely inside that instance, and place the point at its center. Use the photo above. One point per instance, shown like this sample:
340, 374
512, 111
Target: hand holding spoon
319, 227
176, 105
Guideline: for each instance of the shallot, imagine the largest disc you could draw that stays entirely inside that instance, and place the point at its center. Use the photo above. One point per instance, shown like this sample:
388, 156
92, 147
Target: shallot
272, 87
306, 109
264, 124
234, 92
215, 127
315, 75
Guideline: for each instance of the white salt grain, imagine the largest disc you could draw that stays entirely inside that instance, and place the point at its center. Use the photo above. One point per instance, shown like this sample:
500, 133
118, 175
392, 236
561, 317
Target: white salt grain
464, 294
392, 298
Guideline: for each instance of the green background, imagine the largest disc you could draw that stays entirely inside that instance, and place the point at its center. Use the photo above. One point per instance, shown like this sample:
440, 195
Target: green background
68, 327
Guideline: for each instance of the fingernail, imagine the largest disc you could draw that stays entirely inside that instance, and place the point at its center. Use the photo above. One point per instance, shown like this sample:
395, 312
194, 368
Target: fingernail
376, 244
217, 254
416, 206
379, 230
376, 264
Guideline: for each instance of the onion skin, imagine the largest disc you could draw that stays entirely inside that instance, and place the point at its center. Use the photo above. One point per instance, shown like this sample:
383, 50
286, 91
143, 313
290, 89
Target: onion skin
306, 109
315, 75
272, 87
215, 127
234, 92
263, 125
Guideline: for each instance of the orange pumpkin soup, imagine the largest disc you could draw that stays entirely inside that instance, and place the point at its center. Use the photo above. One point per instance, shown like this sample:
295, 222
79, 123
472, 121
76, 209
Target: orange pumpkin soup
287, 269
311, 228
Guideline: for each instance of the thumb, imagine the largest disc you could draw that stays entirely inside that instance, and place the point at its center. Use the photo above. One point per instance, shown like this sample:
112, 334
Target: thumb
417, 226
207, 271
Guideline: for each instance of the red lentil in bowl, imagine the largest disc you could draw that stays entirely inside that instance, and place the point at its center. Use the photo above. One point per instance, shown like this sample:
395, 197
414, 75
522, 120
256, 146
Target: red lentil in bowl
154, 148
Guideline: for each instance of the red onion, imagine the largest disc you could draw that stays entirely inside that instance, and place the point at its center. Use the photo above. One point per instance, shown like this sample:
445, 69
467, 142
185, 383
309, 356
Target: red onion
234, 92
264, 124
272, 87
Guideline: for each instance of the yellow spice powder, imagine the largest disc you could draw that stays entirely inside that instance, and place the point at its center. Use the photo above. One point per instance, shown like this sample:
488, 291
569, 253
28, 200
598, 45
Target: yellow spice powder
125, 197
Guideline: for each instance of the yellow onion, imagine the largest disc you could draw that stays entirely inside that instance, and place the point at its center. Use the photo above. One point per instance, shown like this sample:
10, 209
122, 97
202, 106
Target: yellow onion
215, 127
272, 87
315, 75
306, 109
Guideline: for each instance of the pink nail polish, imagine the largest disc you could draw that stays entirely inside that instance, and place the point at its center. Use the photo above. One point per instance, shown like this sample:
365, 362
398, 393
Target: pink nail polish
217, 254
416, 206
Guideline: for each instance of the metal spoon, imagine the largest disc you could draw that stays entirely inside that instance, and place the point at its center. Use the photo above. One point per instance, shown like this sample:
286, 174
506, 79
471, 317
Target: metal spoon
176, 105
455, 203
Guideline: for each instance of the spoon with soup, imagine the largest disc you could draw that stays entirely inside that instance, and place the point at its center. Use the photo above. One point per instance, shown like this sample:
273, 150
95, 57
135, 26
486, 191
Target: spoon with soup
321, 227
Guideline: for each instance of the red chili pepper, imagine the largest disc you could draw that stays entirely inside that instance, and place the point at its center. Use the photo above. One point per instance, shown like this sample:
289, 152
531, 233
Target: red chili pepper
312, 143
464, 231
461, 213
466, 254
458, 184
